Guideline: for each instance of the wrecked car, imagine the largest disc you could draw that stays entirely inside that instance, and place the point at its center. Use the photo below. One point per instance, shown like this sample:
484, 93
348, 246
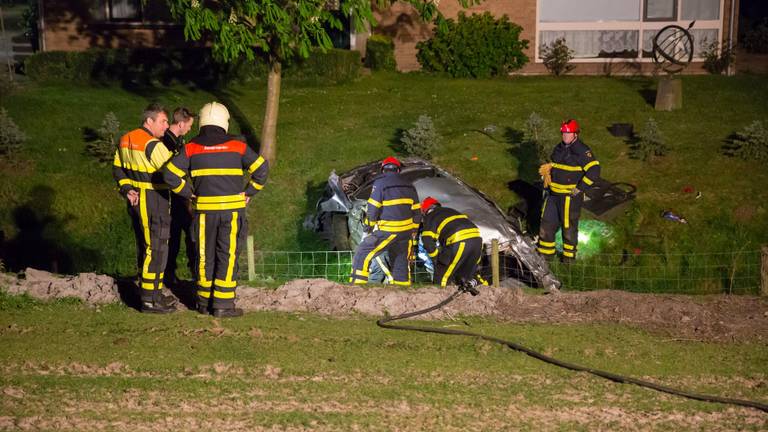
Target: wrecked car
341, 210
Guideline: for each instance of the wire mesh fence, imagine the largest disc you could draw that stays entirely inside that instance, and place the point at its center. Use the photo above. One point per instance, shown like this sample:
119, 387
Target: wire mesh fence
737, 272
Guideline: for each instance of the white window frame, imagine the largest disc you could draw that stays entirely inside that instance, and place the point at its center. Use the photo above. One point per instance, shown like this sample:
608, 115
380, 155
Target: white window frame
640, 26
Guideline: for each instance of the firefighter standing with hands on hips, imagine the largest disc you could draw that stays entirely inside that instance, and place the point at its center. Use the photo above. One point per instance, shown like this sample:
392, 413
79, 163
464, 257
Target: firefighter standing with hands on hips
572, 171
392, 220
216, 163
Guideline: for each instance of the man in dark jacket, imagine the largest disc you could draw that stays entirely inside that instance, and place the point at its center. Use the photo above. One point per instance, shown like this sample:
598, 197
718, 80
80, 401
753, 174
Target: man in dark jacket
460, 244
573, 171
392, 219
181, 215
216, 163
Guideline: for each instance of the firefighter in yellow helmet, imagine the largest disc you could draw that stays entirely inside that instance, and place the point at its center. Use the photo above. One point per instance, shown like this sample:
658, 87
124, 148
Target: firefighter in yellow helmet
137, 171
216, 163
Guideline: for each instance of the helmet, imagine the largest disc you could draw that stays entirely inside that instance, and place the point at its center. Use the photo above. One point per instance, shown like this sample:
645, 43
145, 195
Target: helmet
570, 126
391, 160
214, 114
427, 204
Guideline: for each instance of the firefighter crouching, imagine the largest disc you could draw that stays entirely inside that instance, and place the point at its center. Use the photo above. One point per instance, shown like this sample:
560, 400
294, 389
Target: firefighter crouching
573, 171
392, 219
216, 163
137, 171
461, 245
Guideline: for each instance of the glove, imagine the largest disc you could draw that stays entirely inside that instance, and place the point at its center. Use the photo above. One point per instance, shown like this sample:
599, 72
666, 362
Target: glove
575, 192
545, 173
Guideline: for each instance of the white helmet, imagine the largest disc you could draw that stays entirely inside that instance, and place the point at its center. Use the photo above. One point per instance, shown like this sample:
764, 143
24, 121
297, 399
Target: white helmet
214, 114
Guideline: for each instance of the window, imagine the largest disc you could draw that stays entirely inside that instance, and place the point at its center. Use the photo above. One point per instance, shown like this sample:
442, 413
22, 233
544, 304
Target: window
701, 10
124, 10
589, 10
660, 10
596, 43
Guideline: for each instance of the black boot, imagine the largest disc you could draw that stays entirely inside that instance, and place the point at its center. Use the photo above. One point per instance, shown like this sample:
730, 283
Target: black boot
157, 307
202, 309
227, 313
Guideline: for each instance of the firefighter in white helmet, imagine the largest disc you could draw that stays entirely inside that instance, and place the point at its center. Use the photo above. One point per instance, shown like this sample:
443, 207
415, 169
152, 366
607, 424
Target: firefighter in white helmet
216, 163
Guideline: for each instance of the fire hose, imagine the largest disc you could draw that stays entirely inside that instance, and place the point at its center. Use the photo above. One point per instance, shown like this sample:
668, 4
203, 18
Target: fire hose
385, 323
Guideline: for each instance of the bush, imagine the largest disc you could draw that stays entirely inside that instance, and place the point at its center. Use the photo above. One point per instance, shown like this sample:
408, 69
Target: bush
149, 66
334, 65
557, 57
717, 61
380, 53
422, 140
103, 147
751, 143
540, 135
476, 46
650, 142
755, 40
11, 137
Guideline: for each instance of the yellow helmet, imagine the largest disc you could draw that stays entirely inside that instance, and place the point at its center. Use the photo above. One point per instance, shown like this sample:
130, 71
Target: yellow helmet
214, 114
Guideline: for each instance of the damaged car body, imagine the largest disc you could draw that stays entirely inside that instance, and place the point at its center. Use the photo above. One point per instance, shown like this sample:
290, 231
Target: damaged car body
341, 210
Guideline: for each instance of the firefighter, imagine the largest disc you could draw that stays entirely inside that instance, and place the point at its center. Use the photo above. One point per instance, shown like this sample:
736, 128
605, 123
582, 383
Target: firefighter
181, 216
572, 171
460, 244
137, 171
216, 163
392, 219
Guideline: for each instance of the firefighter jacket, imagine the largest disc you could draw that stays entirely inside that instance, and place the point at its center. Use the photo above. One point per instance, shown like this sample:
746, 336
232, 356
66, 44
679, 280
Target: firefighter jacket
172, 142
393, 205
573, 166
138, 162
447, 226
216, 163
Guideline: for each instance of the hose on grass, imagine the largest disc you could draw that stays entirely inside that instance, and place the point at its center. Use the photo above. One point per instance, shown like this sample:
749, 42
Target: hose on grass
386, 323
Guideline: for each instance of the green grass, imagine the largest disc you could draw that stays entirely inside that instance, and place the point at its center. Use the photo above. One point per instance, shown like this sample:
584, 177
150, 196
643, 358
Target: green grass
322, 128
109, 365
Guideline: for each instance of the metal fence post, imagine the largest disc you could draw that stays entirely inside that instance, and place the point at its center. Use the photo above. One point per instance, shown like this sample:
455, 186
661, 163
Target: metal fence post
251, 262
495, 262
764, 271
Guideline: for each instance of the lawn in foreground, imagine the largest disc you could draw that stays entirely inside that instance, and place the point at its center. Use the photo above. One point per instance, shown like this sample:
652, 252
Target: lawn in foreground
67, 366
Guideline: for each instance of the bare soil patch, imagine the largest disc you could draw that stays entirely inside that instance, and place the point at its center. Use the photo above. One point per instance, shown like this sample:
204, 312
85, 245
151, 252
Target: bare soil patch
719, 318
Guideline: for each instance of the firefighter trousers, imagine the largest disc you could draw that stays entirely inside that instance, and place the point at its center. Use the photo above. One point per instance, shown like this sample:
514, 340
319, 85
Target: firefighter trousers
151, 220
181, 222
560, 211
397, 245
219, 238
458, 262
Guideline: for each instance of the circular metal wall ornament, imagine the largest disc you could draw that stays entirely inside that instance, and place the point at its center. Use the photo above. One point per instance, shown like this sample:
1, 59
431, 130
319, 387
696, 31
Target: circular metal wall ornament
673, 48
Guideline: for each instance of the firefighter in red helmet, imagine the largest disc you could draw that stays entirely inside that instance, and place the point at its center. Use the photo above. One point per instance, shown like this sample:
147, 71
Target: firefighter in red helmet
392, 219
572, 171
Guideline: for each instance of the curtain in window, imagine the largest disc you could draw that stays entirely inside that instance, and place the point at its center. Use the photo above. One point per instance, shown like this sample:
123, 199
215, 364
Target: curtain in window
589, 10
701, 9
595, 43
124, 9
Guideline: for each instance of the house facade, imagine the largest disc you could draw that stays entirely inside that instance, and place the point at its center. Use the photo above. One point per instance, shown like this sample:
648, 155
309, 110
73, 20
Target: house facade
607, 36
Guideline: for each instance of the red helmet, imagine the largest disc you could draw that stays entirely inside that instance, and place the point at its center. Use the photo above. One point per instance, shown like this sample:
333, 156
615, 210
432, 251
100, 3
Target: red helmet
391, 160
427, 204
570, 126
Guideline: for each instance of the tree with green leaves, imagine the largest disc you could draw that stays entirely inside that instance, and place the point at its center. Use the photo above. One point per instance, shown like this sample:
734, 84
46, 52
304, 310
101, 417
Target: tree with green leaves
276, 31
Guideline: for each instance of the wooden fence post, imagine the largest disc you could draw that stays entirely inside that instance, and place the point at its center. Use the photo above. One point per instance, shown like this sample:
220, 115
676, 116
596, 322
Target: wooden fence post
764, 271
251, 263
495, 262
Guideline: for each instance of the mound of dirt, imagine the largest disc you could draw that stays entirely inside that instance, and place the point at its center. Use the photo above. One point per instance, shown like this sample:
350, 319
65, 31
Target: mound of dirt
709, 318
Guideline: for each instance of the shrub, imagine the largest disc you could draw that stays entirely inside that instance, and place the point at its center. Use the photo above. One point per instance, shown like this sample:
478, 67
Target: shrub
750, 143
103, 147
334, 65
380, 53
650, 142
717, 61
11, 137
557, 57
476, 46
422, 140
755, 40
540, 135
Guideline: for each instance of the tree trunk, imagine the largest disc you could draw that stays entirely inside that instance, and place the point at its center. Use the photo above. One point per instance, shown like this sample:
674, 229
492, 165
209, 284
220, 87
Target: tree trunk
269, 127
